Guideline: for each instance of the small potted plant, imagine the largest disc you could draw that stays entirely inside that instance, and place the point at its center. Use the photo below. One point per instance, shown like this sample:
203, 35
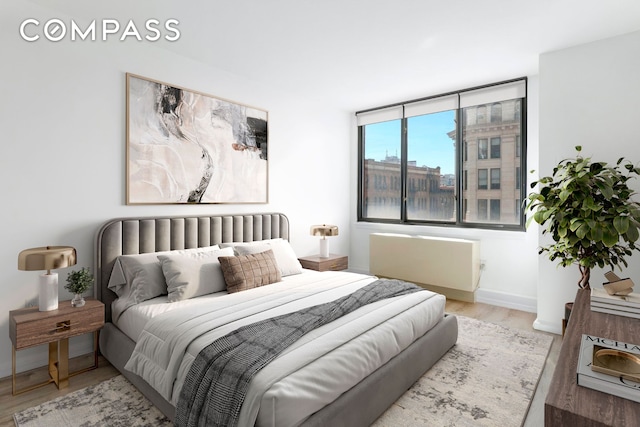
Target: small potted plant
78, 281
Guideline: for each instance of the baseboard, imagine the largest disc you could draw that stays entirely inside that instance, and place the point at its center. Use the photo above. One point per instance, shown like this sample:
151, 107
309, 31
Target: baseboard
503, 299
455, 294
488, 296
552, 327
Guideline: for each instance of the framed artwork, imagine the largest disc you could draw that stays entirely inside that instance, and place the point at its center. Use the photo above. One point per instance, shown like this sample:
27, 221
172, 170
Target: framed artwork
185, 147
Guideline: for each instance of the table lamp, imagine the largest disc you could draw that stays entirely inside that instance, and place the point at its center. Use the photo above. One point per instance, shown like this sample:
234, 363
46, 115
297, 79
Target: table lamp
324, 230
47, 258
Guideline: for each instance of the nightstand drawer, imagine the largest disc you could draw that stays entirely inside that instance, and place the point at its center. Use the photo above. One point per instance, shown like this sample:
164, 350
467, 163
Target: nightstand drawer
30, 327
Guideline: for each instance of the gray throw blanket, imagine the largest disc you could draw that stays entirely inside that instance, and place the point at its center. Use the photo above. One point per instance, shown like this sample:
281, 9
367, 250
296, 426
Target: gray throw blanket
217, 382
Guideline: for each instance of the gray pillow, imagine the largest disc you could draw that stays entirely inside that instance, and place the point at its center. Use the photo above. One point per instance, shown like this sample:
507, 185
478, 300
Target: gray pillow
139, 277
190, 277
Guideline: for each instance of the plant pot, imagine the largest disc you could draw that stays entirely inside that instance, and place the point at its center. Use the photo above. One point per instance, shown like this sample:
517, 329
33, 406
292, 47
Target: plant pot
77, 301
567, 314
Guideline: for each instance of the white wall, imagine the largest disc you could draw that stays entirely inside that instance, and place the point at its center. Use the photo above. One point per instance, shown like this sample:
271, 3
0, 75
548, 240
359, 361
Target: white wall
63, 167
510, 258
588, 96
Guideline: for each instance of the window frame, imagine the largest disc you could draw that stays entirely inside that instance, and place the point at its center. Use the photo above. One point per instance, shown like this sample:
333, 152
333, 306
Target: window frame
461, 153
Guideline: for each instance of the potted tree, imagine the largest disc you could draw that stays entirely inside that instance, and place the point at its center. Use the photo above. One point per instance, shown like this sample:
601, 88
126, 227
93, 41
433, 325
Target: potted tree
78, 281
588, 210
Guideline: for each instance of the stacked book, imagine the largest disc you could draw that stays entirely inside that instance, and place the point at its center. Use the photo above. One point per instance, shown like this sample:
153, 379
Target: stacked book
610, 366
621, 305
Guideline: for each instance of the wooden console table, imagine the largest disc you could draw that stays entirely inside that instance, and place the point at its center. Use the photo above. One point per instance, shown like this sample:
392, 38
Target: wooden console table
567, 403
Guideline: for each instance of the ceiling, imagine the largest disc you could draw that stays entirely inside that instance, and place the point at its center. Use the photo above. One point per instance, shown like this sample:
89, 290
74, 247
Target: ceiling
358, 54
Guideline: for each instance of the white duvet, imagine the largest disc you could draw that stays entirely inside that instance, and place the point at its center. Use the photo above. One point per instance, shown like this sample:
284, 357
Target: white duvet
310, 374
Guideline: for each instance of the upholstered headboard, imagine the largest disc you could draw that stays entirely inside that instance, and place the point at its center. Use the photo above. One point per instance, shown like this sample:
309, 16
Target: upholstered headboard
126, 236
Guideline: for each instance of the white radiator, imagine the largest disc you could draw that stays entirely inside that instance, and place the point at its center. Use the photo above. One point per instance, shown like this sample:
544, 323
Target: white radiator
444, 265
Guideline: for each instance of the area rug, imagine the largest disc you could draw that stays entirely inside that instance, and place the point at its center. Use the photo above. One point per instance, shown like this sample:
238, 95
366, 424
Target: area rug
487, 379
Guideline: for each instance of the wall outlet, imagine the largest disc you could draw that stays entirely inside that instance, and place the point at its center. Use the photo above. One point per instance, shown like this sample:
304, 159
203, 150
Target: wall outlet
33, 302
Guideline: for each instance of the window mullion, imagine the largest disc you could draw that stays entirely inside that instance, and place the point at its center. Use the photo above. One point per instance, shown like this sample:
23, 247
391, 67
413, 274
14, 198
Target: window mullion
403, 170
459, 196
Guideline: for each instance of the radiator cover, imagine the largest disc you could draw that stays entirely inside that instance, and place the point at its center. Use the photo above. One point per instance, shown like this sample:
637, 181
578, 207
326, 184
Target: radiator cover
446, 265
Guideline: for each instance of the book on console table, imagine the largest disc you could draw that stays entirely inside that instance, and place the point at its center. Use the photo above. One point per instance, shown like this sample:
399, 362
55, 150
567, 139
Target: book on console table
616, 310
617, 382
621, 305
631, 300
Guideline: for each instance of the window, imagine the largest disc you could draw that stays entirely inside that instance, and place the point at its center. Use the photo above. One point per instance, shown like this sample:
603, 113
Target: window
429, 161
380, 140
494, 211
481, 114
482, 179
495, 179
483, 151
495, 148
482, 209
496, 113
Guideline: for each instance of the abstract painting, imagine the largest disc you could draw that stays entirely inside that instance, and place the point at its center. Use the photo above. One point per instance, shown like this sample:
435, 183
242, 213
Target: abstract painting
186, 147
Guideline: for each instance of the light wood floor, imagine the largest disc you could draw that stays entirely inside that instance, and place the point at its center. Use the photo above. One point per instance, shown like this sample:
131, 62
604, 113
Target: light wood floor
516, 319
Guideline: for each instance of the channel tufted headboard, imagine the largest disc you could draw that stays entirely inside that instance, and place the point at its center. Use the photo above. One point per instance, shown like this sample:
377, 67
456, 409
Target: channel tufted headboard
126, 236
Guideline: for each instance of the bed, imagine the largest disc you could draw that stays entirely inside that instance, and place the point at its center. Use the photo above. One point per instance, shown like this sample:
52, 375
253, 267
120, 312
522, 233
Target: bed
359, 404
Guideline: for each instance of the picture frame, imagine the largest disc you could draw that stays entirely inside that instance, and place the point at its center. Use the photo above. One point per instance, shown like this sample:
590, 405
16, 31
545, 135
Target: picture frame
188, 147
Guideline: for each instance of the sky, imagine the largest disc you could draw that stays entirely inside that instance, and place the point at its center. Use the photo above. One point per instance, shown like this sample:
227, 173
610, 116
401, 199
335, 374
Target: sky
428, 143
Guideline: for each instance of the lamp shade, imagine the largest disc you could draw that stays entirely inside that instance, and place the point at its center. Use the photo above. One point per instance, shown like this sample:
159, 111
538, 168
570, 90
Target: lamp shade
324, 230
46, 258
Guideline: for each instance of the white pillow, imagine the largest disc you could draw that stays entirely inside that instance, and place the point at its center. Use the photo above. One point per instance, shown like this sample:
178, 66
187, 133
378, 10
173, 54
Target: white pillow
140, 277
190, 277
285, 256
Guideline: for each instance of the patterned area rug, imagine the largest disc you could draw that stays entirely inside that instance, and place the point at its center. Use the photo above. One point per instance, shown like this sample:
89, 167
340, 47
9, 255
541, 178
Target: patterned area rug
114, 402
487, 379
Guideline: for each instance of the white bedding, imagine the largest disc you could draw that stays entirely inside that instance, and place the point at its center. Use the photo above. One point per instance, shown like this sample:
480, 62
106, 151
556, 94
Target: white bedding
133, 320
310, 374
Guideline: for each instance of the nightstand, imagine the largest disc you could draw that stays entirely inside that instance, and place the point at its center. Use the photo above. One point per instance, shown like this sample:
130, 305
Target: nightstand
333, 263
29, 327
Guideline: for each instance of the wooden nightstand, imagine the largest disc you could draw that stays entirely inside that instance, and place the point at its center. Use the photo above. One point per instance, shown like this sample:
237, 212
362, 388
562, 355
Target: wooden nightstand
333, 263
29, 327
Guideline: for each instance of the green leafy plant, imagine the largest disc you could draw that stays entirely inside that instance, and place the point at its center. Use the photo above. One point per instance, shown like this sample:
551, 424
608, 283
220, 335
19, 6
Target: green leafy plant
78, 281
587, 209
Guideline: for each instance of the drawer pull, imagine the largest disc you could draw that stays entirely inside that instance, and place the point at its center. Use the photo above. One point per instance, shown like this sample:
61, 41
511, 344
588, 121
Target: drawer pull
64, 326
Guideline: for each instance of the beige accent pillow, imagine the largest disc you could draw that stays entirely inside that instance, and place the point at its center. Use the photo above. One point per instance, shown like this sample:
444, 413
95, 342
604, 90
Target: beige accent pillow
189, 277
249, 271
285, 256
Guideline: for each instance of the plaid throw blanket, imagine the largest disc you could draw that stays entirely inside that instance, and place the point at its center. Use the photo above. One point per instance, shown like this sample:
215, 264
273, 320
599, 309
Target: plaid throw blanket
217, 382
